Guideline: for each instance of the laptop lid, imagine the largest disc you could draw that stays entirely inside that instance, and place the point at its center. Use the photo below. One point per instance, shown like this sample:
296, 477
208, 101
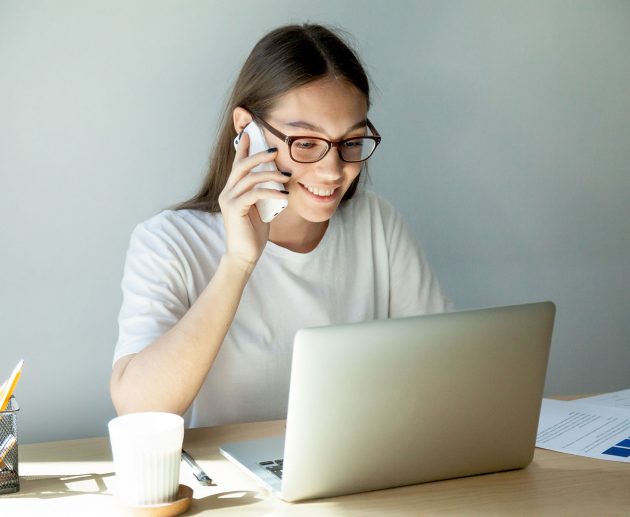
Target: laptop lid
402, 401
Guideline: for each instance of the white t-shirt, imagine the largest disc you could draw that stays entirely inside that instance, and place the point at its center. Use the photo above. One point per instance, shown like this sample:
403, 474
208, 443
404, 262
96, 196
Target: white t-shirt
367, 266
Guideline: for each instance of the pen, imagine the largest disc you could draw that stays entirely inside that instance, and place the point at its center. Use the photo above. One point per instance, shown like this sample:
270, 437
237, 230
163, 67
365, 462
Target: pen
198, 472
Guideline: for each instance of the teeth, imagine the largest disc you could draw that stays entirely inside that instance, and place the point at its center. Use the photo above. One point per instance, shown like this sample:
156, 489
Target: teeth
318, 191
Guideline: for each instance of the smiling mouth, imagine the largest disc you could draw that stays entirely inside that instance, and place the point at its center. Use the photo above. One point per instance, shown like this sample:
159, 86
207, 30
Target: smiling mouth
324, 193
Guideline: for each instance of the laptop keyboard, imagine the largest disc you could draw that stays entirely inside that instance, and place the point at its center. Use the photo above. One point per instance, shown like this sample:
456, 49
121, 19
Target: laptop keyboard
273, 466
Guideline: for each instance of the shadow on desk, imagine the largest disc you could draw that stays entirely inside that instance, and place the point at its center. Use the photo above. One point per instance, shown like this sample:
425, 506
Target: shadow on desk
52, 486
224, 500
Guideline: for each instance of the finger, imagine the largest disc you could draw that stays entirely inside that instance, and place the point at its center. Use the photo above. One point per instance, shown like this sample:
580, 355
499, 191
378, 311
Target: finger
249, 162
242, 167
249, 199
255, 178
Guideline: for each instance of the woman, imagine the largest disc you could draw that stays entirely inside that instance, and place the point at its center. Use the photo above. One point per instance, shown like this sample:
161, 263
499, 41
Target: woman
213, 296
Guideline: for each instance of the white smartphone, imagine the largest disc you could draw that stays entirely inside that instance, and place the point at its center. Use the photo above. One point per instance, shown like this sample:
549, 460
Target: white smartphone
267, 208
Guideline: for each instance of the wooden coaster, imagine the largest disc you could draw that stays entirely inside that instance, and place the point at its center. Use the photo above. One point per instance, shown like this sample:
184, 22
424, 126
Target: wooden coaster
177, 507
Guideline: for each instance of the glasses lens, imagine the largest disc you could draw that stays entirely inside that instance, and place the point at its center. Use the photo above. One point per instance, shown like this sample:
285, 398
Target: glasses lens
357, 149
308, 149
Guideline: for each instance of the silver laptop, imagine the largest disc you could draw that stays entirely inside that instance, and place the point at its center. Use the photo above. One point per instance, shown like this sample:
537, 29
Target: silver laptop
397, 402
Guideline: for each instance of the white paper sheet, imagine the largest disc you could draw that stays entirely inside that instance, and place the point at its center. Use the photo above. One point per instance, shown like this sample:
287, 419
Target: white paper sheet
591, 430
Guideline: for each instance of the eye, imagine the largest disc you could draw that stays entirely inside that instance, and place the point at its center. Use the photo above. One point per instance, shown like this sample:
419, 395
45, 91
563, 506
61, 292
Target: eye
353, 144
305, 144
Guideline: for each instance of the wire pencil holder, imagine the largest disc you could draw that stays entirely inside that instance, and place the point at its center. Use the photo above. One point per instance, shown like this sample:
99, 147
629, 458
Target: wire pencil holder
9, 477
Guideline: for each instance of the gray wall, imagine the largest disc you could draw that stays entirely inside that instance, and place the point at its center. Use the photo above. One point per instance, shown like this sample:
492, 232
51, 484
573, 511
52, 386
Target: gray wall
506, 129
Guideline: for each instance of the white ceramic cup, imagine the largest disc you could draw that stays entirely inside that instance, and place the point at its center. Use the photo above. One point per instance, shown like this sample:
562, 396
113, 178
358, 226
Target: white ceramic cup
147, 450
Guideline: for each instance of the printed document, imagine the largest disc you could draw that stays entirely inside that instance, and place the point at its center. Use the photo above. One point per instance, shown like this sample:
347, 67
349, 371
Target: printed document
578, 427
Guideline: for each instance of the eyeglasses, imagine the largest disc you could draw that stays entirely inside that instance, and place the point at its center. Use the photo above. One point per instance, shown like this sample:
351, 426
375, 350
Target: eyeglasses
311, 149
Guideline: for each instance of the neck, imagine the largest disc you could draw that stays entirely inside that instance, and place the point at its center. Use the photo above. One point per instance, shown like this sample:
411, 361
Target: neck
296, 234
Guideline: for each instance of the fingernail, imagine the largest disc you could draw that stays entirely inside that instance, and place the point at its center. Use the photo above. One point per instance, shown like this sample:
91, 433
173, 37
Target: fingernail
284, 191
286, 173
272, 149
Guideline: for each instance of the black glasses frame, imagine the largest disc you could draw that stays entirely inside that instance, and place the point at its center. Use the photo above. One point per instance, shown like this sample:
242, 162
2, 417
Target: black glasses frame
376, 137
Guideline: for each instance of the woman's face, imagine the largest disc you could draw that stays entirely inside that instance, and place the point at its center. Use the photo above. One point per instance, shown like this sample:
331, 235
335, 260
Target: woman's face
331, 109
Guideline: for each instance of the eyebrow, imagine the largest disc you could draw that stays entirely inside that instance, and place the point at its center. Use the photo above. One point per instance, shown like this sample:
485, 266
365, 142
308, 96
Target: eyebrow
311, 127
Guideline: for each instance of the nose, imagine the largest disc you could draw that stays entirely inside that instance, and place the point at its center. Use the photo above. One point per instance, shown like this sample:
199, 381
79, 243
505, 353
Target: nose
330, 167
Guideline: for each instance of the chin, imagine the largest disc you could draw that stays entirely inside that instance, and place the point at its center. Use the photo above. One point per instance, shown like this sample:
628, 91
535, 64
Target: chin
317, 215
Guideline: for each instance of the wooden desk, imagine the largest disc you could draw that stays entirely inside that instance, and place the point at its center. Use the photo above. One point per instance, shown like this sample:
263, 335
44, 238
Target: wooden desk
74, 477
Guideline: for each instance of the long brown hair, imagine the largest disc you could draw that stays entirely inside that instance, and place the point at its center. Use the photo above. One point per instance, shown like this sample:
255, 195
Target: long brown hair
286, 58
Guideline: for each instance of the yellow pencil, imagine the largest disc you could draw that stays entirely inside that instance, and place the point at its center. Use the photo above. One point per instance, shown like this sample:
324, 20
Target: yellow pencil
10, 384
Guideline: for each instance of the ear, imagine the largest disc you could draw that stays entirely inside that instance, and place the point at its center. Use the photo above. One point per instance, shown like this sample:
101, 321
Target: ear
241, 117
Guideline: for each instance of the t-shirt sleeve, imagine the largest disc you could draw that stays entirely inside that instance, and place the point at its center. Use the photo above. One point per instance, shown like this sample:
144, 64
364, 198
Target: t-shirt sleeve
153, 289
414, 288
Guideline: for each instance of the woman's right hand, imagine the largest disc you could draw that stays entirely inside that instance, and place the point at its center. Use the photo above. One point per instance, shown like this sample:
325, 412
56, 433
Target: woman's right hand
246, 233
